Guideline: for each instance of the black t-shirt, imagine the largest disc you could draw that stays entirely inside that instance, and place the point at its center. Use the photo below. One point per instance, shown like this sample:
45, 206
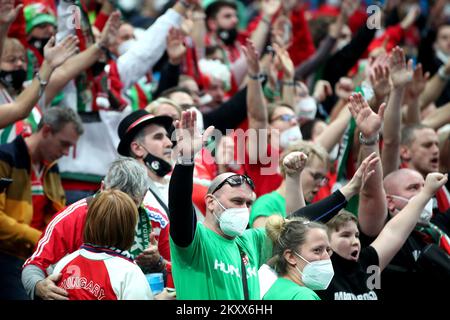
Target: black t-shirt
404, 277
442, 220
352, 279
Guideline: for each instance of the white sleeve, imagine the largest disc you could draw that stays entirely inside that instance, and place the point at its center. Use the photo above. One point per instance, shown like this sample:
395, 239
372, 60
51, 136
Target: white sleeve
144, 54
127, 280
137, 287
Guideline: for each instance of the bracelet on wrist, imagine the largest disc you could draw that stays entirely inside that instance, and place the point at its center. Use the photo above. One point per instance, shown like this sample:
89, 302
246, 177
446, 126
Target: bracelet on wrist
42, 84
368, 141
258, 77
288, 83
101, 47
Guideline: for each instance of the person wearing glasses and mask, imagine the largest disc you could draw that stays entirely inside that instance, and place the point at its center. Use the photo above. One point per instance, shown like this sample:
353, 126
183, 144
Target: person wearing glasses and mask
217, 258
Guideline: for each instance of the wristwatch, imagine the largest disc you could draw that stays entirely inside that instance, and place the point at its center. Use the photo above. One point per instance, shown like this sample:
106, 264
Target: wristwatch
42, 83
259, 77
370, 141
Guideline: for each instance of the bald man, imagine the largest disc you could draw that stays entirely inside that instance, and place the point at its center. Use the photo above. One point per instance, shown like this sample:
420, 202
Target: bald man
208, 257
409, 268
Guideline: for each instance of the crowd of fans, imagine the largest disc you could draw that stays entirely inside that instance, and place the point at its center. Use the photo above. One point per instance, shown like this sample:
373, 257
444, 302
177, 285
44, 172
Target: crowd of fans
266, 149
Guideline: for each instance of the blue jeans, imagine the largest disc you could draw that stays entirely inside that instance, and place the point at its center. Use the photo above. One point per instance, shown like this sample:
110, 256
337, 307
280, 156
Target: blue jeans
11, 287
75, 195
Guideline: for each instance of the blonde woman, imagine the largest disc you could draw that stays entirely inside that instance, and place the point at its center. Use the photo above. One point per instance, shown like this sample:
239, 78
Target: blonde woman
301, 258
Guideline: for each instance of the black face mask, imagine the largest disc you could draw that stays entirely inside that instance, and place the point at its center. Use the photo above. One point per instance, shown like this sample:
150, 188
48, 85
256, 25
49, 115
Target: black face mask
157, 165
98, 67
39, 44
13, 79
228, 36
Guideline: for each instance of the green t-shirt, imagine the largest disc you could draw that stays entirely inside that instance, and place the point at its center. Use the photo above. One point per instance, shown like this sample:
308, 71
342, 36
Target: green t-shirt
210, 267
284, 289
268, 205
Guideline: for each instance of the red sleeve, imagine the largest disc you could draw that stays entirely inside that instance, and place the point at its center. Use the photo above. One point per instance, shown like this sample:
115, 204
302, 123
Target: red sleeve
163, 241
264, 174
17, 28
100, 21
160, 224
63, 235
393, 35
302, 47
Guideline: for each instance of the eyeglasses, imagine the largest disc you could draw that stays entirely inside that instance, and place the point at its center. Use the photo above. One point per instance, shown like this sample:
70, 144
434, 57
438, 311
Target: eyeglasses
234, 181
285, 117
318, 177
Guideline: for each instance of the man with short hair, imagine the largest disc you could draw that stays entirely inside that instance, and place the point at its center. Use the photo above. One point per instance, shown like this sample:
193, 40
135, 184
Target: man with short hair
419, 150
35, 194
216, 259
407, 266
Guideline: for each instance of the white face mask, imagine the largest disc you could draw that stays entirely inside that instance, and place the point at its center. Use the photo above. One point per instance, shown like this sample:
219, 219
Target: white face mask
233, 221
290, 136
316, 275
126, 45
307, 108
128, 5
425, 215
367, 90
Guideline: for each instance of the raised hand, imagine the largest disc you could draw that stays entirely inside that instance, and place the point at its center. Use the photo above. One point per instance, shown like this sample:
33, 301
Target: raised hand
176, 49
365, 170
189, 139
251, 54
109, 33
322, 90
368, 122
284, 62
270, 7
8, 12
344, 88
415, 88
150, 257
411, 17
401, 74
294, 163
433, 182
225, 151
281, 33
56, 55
348, 7
379, 78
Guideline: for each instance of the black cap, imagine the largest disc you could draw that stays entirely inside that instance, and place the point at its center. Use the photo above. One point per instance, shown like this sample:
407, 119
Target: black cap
135, 121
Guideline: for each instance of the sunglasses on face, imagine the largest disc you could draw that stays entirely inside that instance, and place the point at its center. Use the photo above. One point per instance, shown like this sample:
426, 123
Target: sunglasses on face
235, 181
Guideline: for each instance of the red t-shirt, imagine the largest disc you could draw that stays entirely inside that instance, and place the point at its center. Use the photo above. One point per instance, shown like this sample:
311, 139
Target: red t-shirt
41, 203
